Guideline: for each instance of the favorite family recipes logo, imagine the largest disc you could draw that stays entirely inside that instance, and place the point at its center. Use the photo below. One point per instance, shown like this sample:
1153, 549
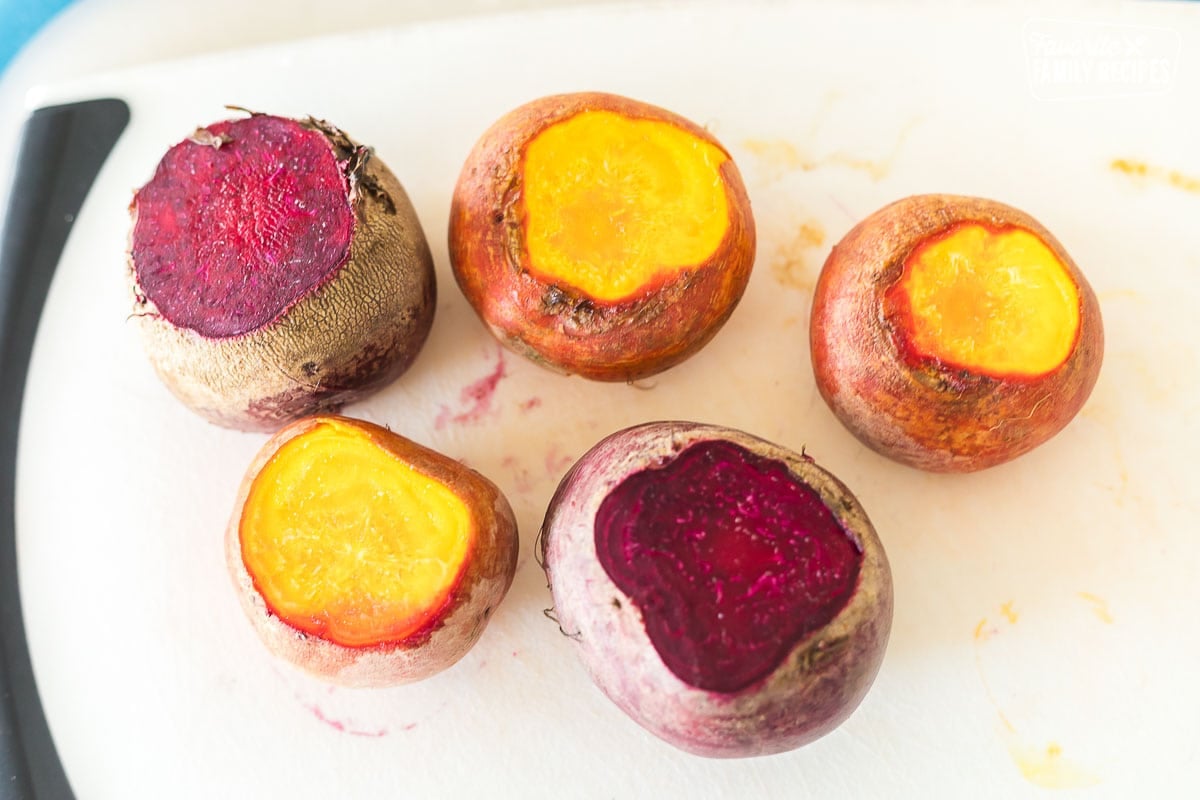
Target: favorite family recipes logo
1072, 59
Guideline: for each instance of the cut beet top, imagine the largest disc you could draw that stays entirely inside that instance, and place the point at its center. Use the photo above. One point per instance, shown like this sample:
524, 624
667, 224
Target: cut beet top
239, 223
996, 301
731, 560
616, 207
348, 542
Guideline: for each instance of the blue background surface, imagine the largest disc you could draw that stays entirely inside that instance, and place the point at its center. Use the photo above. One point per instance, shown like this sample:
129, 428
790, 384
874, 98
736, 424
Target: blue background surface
20, 20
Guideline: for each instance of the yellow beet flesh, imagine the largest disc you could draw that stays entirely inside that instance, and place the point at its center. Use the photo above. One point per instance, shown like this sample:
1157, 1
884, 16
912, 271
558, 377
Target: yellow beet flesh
995, 301
346, 541
614, 205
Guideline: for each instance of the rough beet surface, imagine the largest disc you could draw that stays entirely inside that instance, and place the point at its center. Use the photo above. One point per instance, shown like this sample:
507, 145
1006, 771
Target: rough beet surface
239, 222
730, 558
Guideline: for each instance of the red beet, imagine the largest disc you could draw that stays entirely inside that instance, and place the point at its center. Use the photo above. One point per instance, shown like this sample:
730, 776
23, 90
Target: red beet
728, 594
278, 270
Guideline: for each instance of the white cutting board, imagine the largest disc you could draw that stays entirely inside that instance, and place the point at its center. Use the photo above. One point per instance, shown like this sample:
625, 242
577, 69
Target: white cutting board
1045, 631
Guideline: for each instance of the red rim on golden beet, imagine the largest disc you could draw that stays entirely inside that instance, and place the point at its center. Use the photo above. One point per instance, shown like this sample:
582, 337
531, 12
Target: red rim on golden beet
601, 236
277, 269
366, 558
954, 333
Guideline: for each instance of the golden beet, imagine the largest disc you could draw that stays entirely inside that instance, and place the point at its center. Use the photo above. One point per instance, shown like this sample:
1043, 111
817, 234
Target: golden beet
364, 557
601, 236
954, 333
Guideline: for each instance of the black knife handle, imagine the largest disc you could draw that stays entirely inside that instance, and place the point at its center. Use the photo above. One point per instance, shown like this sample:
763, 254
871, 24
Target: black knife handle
62, 150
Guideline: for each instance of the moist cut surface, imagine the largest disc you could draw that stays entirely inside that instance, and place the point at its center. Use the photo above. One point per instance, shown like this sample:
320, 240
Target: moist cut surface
239, 222
731, 560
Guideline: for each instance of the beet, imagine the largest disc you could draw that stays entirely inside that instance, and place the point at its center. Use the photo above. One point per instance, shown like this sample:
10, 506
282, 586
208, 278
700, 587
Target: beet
601, 236
365, 558
954, 333
730, 558
727, 593
277, 270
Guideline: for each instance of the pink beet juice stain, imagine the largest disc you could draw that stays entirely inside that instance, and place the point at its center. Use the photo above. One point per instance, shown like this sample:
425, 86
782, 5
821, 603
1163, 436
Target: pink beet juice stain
730, 558
228, 238
478, 394
342, 727
476, 397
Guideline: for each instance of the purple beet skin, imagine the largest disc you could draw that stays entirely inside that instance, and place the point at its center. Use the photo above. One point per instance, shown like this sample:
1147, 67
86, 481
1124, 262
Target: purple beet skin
730, 558
728, 594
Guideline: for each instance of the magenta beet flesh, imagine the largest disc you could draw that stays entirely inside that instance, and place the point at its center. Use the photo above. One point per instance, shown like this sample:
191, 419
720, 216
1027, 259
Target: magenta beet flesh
731, 560
238, 225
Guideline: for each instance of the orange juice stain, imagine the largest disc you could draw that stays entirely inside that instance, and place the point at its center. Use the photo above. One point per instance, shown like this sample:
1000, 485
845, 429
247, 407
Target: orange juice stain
1099, 606
1046, 767
1171, 177
792, 265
